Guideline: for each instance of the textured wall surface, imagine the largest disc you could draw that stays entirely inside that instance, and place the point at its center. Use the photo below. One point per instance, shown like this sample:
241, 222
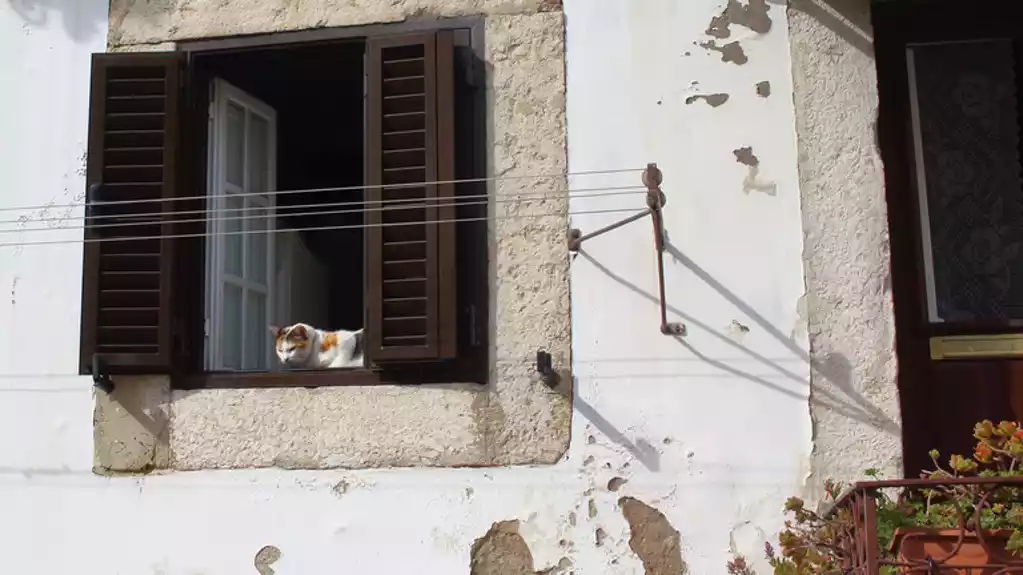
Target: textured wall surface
516, 419
854, 398
684, 448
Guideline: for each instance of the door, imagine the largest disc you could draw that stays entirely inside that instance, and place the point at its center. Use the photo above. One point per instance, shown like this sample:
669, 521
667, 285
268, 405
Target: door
950, 79
240, 215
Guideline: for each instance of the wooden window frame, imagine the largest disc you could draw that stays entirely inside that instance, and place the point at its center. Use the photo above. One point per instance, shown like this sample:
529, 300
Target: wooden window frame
471, 364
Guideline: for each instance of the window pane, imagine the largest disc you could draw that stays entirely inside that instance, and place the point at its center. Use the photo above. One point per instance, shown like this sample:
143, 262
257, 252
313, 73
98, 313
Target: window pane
968, 174
257, 248
231, 331
235, 144
232, 239
256, 346
258, 163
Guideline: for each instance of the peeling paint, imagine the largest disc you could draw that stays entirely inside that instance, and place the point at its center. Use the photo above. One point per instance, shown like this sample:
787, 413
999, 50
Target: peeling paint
753, 16
730, 52
746, 156
266, 557
653, 539
503, 551
737, 331
764, 89
340, 488
753, 183
599, 536
572, 519
616, 483
592, 508
714, 100
589, 459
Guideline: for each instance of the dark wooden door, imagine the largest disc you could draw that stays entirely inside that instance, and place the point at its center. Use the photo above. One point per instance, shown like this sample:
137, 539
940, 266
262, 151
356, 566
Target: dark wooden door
950, 78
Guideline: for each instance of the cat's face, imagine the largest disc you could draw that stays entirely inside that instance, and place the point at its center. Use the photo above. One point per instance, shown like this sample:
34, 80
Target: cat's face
292, 343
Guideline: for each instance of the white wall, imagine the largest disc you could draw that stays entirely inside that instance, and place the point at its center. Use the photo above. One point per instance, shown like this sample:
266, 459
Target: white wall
712, 430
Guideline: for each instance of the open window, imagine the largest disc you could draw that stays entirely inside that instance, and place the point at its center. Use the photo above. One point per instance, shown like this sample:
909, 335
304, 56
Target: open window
314, 183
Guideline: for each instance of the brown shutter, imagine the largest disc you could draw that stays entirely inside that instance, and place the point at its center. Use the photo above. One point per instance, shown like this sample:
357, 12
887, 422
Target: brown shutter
410, 237
132, 157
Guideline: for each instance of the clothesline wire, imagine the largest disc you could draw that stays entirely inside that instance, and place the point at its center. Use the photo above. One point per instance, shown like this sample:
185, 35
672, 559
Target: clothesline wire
280, 210
318, 212
316, 190
310, 229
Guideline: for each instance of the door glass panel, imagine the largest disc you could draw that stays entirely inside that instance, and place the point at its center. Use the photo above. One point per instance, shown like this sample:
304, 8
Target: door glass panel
258, 158
232, 238
235, 144
231, 332
257, 249
256, 346
963, 103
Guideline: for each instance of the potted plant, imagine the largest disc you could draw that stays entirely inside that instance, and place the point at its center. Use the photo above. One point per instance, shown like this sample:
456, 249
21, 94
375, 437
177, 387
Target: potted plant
947, 519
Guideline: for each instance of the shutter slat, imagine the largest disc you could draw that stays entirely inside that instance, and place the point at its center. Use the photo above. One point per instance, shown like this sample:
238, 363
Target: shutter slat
410, 311
133, 142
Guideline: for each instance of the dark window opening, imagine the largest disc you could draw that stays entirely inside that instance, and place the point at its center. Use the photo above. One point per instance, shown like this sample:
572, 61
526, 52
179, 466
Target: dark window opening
271, 143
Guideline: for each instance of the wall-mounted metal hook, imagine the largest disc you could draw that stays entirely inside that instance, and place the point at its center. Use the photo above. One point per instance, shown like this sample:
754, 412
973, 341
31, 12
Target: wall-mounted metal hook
655, 200
545, 367
100, 380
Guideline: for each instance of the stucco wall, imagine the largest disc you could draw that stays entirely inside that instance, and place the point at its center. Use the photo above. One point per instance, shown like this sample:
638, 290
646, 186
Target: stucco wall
516, 419
684, 448
854, 398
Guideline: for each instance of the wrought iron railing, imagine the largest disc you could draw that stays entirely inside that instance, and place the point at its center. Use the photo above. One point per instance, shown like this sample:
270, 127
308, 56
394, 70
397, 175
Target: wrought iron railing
861, 547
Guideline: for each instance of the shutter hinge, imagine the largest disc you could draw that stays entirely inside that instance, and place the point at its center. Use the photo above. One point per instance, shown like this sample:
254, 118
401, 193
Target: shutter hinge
545, 367
100, 379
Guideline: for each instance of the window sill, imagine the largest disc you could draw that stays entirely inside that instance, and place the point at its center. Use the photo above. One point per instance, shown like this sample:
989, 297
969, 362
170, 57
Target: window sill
408, 375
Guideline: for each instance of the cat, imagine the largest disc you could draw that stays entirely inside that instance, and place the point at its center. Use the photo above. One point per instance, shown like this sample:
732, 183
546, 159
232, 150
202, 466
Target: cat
305, 347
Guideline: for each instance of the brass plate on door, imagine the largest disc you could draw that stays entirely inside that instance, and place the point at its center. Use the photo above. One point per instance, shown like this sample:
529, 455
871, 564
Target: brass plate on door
1004, 345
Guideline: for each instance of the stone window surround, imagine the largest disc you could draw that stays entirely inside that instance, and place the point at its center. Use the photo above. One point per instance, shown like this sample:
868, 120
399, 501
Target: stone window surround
146, 425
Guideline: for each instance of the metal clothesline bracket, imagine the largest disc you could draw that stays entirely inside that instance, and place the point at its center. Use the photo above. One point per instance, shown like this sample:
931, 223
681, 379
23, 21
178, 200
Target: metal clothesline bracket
655, 200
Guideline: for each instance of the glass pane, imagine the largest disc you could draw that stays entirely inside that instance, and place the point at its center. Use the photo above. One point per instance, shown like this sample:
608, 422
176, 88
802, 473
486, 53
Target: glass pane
232, 239
256, 345
968, 175
258, 163
235, 144
257, 249
231, 331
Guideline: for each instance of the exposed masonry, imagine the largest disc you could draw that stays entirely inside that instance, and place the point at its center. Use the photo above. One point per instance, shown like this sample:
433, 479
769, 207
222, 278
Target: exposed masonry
516, 419
753, 16
503, 551
653, 539
714, 100
266, 557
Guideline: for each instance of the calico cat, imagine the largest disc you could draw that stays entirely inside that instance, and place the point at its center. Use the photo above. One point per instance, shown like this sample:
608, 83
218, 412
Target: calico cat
305, 347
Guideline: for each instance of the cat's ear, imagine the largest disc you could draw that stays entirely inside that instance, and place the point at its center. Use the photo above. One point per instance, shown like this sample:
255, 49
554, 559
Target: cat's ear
276, 331
300, 332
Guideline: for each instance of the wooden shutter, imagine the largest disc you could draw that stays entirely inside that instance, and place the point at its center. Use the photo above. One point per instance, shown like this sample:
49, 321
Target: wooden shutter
132, 157
410, 237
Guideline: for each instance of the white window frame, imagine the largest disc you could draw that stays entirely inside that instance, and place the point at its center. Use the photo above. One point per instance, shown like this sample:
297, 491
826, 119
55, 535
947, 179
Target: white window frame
218, 189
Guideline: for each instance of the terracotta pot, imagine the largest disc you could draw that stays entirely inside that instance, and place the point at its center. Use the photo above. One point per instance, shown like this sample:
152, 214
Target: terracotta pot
975, 556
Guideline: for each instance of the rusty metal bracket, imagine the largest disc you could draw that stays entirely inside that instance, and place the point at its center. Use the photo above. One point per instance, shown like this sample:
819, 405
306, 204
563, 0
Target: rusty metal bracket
655, 200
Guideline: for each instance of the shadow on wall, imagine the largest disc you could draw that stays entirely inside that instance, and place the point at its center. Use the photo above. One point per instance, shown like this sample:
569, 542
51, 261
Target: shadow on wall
850, 19
835, 368
82, 20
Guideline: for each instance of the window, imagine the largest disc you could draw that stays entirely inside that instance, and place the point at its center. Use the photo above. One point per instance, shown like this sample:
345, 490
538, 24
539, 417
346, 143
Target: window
322, 182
